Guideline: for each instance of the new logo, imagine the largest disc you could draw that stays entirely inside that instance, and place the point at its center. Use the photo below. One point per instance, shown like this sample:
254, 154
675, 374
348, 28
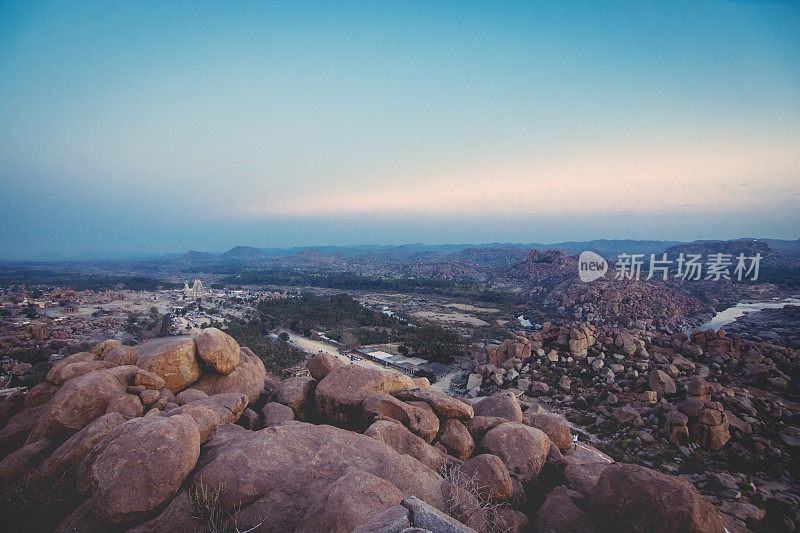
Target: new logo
591, 266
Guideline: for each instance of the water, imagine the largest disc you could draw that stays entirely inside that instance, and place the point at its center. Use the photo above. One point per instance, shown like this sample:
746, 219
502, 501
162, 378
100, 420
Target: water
729, 315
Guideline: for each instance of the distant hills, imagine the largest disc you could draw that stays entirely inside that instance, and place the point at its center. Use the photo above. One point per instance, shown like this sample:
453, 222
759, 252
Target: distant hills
494, 254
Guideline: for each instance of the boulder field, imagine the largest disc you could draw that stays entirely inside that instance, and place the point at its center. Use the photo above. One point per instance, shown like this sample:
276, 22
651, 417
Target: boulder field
191, 434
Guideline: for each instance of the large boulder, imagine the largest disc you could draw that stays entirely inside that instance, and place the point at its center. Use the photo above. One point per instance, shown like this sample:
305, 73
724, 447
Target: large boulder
403, 441
322, 364
503, 405
106, 346
490, 476
121, 355
522, 449
632, 498
39, 394
62, 374
297, 393
219, 350
340, 394
140, 471
172, 358
393, 520
456, 438
277, 474
247, 378
67, 457
209, 413
443, 405
553, 425
274, 413
558, 514
348, 502
78, 402
19, 426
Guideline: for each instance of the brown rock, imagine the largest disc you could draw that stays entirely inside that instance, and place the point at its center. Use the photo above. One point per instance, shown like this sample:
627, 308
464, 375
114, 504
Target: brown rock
39, 394
148, 380
456, 438
274, 413
22, 460
403, 441
553, 425
219, 350
189, 395
247, 378
172, 358
144, 469
339, 395
479, 425
105, 346
297, 393
558, 514
67, 457
423, 422
443, 405
127, 405
122, 355
348, 502
629, 497
74, 370
661, 382
149, 397
209, 413
490, 475
78, 402
503, 404
380, 404
522, 449
322, 364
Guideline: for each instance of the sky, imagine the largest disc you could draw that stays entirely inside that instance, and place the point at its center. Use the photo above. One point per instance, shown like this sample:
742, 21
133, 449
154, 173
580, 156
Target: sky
135, 128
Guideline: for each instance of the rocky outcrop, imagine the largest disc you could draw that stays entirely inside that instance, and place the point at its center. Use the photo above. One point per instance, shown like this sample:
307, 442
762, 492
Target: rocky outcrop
219, 350
248, 378
172, 358
634, 498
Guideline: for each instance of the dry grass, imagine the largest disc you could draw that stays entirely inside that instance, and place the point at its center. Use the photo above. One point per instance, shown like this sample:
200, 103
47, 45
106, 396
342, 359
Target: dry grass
207, 509
467, 503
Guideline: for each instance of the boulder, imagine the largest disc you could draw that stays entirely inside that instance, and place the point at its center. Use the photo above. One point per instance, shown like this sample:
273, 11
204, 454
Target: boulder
380, 404
554, 426
522, 449
127, 405
321, 365
121, 355
23, 460
456, 438
348, 502
558, 514
297, 393
392, 520
403, 441
78, 402
277, 473
423, 422
503, 405
67, 457
340, 394
274, 414
630, 497
140, 471
73, 370
219, 350
479, 425
247, 378
443, 405
661, 382
172, 358
209, 413
39, 394
189, 395
148, 380
105, 347
490, 475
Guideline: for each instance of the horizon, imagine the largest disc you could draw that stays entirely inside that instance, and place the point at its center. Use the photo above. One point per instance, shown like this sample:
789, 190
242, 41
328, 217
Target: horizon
107, 257
168, 127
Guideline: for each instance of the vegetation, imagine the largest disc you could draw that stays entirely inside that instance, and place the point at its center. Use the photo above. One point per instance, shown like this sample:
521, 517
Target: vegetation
349, 281
276, 356
32, 277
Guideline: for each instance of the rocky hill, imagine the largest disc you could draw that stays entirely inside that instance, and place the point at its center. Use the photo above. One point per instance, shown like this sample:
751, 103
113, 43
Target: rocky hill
191, 434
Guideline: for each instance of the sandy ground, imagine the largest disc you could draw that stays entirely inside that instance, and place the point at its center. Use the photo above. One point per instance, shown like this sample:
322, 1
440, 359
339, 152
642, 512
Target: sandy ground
451, 318
472, 308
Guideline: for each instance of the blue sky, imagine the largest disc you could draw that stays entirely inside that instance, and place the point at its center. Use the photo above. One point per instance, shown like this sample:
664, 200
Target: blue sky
151, 127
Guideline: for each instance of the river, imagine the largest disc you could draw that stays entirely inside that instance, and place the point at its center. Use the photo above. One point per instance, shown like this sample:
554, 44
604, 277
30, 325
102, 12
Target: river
730, 314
